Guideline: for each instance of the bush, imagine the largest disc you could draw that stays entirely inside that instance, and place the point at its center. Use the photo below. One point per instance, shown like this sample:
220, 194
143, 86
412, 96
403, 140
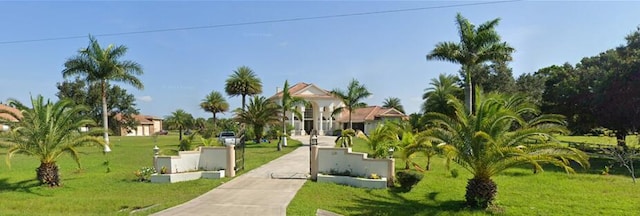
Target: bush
337, 132
408, 179
144, 174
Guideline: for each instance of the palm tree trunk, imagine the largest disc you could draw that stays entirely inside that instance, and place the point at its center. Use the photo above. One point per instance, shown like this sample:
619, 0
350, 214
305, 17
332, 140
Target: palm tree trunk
214, 119
428, 166
47, 173
350, 123
468, 95
284, 131
481, 191
180, 132
105, 123
243, 97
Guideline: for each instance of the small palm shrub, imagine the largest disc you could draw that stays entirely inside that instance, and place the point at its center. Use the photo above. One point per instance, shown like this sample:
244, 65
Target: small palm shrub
144, 174
408, 179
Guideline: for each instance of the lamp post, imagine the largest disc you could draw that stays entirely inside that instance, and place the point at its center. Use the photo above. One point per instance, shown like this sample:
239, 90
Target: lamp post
156, 151
314, 140
391, 152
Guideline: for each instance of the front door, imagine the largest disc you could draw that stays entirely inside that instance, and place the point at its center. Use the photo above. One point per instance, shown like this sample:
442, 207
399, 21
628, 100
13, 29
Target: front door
308, 126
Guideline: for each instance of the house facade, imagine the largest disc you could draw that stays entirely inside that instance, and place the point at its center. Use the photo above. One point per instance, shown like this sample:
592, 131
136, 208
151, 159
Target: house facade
7, 117
147, 126
317, 114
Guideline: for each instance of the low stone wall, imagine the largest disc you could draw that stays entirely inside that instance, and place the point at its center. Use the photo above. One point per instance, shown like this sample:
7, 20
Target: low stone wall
203, 159
342, 160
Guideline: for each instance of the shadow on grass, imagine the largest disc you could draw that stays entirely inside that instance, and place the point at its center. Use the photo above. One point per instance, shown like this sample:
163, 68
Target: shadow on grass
374, 204
21, 186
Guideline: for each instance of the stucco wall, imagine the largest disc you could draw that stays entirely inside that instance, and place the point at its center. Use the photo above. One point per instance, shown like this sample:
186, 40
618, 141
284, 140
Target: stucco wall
341, 159
210, 158
213, 158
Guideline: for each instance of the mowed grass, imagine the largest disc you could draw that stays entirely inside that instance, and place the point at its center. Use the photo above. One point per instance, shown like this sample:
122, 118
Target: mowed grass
520, 192
631, 140
92, 191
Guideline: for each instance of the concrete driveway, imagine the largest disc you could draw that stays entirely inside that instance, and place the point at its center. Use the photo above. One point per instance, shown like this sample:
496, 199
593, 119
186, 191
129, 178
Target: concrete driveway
266, 190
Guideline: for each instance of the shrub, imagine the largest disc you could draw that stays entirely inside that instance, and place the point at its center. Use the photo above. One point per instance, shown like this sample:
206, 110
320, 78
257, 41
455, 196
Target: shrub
408, 179
144, 174
337, 132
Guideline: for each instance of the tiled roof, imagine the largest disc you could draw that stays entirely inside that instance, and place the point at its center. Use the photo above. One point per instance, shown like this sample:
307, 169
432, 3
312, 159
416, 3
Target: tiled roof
10, 109
297, 90
370, 113
143, 119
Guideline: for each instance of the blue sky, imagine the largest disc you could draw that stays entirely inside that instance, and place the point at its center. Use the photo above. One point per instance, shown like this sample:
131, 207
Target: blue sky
386, 52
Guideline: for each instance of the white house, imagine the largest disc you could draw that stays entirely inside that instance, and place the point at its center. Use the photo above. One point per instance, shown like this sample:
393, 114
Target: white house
147, 126
7, 117
317, 114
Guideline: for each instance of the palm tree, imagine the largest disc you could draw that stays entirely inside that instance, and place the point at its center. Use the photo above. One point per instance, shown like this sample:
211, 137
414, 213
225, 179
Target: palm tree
436, 97
381, 139
417, 143
180, 120
476, 46
214, 103
393, 102
243, 82
260, 113
351, 98
103, 65
46, 131
288, 105
498, 137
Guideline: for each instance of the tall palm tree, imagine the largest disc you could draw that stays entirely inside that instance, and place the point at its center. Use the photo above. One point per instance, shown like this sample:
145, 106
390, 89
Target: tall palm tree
180, 120
499, 137
288, 104
436, 97
352, 98
214, 103
46, 131
260, 113
98, 65
393, 102
243, 82
476, 46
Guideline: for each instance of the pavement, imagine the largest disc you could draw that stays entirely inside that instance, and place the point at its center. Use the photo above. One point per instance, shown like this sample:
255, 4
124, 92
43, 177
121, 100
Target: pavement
266, 190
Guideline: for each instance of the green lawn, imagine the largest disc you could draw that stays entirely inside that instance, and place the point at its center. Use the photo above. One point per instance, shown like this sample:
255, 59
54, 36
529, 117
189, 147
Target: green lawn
92, 191
631, 140
520, 192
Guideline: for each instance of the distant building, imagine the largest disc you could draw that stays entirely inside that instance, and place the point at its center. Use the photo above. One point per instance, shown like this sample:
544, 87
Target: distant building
317, 114
147, 126
7, 117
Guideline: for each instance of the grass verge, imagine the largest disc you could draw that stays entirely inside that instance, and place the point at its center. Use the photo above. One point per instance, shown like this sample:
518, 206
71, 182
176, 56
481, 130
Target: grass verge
92, 191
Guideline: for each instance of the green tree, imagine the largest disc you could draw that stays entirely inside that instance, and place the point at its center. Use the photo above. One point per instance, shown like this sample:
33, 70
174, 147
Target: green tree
121, 105
288, 104
351, 98
417, 143
393, 102
46, 131
179, 120
496, 138
476, 46
496, 77
532, 86
381, 139
214, 103
243, 82
260, 113
97, 65
436, 97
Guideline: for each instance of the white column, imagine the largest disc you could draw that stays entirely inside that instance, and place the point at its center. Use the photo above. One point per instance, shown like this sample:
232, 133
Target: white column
321, 128
302, 121
293, 124
331, 119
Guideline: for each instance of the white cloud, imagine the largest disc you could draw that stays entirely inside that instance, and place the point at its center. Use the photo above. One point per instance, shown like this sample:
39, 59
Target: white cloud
145, 98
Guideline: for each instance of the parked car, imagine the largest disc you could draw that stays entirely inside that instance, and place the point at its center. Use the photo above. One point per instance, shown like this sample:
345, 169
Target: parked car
162, 132
227, 138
